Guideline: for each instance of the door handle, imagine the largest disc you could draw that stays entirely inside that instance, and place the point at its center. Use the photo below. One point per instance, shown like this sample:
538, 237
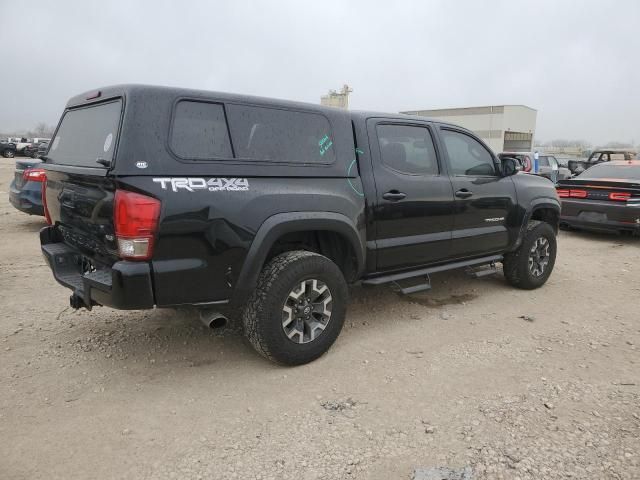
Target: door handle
463, 193
394, 195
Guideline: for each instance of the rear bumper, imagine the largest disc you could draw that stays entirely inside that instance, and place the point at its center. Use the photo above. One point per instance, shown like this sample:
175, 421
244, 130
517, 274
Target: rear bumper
591, 215
125, 286
28, 199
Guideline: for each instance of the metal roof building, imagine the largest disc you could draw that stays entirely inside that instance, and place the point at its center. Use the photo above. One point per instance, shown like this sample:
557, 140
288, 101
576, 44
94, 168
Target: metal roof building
503, 127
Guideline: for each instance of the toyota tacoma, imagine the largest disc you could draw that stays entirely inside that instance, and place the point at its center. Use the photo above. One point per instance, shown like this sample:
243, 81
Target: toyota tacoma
164, 197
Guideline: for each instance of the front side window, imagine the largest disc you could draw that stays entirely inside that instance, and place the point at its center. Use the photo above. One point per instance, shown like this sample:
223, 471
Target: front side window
275, 135
407, 149
467, 156
543, 162
199, 131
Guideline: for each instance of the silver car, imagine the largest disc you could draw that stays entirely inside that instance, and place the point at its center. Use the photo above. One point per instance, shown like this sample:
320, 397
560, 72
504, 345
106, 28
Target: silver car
548, 165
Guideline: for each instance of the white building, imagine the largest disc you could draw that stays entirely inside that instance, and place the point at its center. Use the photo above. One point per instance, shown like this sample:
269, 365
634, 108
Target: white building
505, 128
337, 99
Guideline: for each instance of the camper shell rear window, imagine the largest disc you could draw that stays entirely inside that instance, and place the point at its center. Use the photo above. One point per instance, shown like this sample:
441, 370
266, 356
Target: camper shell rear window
86, 135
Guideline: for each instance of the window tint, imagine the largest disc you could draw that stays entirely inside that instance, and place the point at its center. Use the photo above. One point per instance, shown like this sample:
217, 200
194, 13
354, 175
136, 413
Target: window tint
200, 131
87, 134
543, 161
466, 155
270, 134
408, 149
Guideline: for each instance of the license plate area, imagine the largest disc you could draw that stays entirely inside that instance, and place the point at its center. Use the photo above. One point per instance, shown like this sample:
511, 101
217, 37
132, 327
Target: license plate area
595, 217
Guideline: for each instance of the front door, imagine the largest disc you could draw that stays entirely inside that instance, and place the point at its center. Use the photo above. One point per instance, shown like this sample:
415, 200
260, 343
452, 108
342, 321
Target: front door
485, 200
414, 205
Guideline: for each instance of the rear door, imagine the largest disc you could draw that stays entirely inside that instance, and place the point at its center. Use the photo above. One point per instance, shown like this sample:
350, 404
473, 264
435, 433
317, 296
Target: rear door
79, 192
484, 199
414, 205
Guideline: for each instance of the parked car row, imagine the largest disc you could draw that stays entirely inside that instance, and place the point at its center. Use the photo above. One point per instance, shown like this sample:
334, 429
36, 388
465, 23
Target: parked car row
28, 147
36, 150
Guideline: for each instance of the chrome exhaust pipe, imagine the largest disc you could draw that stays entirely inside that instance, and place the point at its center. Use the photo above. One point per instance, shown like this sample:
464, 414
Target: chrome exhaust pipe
211, 319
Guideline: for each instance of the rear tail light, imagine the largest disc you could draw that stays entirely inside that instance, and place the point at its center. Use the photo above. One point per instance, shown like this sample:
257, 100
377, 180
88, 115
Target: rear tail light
620, 196
34, 175
136, 224
47, 216
566, 193
578, 193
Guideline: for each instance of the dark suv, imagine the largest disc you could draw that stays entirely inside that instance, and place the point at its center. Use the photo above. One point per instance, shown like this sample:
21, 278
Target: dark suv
162, 197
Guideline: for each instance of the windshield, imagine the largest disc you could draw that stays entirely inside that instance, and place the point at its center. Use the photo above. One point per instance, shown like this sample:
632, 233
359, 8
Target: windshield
86, 135
627, 172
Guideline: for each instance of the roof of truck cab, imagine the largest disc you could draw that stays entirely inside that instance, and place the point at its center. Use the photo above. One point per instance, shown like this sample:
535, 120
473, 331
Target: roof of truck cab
364, 114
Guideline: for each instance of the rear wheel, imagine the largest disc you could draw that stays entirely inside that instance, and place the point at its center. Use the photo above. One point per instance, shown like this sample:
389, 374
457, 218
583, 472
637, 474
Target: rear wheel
298, 308
8, 154
531, 265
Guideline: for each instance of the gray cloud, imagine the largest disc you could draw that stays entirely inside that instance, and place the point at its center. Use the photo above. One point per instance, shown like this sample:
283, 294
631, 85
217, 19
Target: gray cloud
574, 61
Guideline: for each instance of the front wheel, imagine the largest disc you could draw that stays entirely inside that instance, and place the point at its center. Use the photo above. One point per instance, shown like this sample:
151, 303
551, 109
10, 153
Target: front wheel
298, 308
8, 154
531, 265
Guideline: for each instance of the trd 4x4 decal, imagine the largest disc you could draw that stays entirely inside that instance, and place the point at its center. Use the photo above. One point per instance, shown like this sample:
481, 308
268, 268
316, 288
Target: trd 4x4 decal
211, 184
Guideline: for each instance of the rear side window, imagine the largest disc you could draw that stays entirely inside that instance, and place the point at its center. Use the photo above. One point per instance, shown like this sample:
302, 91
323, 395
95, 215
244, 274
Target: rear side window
199, 131
86, 135
274, 135
407, 149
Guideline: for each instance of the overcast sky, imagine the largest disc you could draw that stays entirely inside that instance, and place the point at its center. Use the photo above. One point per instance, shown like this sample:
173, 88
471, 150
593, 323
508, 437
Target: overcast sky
576, 62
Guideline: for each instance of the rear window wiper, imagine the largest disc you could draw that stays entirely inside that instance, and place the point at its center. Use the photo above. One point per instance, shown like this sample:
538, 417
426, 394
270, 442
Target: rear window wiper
104, 162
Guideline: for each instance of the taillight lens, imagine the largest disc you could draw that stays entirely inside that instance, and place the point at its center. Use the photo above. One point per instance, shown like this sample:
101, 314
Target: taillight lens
620, 196
578, 193
566, 193
44, 201
34, 175
136, 222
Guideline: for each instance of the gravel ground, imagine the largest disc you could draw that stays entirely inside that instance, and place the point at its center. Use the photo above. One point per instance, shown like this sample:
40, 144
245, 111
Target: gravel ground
513, 384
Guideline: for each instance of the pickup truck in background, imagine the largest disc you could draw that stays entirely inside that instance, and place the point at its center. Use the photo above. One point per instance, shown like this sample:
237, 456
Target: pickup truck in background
21, 143
600, 156
165, 197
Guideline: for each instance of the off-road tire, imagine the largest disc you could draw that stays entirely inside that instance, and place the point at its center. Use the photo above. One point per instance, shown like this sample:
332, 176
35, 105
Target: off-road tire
516, 264
8, 154
262, 315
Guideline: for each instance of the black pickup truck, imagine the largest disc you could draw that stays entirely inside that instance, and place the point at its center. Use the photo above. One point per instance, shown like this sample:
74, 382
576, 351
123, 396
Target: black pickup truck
162, 197
599, 156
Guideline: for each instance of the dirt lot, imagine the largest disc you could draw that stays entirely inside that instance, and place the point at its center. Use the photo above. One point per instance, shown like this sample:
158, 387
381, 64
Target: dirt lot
451, 378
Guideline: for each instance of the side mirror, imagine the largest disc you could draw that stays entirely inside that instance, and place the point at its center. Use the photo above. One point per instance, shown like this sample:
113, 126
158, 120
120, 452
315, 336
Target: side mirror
510, 166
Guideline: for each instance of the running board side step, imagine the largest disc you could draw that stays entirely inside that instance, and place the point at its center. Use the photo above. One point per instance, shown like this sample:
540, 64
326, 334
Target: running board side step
407, 286
395, 278
482, 271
